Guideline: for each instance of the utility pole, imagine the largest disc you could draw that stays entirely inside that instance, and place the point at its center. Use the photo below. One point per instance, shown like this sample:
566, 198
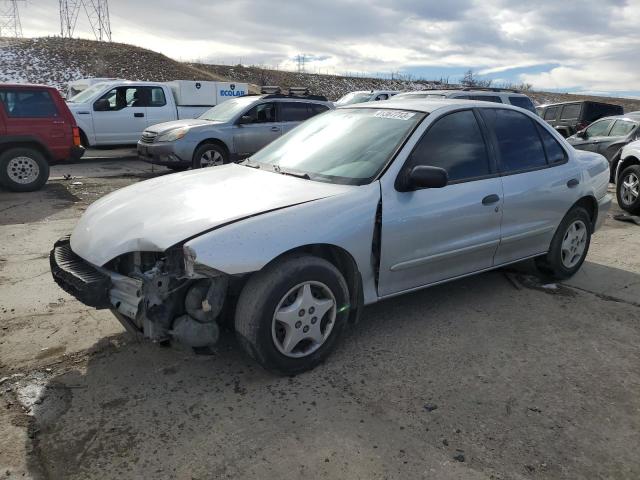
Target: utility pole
97, 12
10, 19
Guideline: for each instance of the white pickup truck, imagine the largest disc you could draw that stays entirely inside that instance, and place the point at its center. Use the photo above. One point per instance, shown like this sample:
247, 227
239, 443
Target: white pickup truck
117, 112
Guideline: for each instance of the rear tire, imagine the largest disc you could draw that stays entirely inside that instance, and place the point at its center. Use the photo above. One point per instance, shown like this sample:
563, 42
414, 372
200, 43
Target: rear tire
286, 327
628, 189
209, 155
569, 246
23, 169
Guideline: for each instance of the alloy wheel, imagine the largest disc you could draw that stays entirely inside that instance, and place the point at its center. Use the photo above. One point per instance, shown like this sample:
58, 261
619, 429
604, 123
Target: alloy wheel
211, 158
630, 188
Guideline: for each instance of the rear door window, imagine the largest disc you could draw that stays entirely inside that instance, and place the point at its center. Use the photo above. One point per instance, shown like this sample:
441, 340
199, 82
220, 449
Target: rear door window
522, 102
294, 112
555, 153
519, 144
454, 143
487, 98
28, 103
622, 128
571, 112
550, 113
156, 97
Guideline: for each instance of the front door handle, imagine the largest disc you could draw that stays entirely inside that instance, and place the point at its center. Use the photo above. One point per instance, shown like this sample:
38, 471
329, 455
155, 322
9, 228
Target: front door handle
574, 182
138, 115
275, 129
490, 199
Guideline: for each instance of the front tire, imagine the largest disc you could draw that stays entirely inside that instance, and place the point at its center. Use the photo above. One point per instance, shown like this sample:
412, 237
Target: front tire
209, 155
23, 170
291, 314
569, 246
628, 189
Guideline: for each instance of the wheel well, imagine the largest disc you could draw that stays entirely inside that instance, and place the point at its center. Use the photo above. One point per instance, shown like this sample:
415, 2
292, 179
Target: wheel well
33, 145
347, 266
590, 204
84, 140
215, 141
625, 163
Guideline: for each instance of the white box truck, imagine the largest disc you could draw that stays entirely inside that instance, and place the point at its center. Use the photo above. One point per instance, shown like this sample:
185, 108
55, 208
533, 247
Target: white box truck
116, 112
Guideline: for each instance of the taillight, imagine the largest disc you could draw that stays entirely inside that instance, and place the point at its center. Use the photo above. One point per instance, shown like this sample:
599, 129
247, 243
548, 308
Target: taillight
76, 136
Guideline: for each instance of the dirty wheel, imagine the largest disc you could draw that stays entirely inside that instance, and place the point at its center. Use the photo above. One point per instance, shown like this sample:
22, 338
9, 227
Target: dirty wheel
209, 155
569, 245
291, 314
23, 170
628, 190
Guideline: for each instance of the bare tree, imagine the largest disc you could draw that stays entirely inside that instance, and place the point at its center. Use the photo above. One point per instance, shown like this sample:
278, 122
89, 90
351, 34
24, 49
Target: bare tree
470, 79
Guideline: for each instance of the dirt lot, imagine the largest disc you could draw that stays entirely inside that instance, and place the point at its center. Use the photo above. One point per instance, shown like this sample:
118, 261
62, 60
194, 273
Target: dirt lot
498, 376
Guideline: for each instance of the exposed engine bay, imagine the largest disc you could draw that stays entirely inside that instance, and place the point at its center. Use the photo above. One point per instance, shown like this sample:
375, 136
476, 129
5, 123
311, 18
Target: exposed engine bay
161, 296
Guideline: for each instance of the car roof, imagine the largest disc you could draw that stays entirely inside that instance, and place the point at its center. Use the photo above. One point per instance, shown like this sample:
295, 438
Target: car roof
461, 90
631, 117
26, 85
580, 101
427, 105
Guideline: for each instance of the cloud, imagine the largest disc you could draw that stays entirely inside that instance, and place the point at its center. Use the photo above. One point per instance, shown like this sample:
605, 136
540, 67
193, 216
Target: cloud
589, 45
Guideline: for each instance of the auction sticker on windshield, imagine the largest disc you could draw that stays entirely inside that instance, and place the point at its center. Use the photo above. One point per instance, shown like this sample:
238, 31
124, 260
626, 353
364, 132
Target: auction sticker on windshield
396, 114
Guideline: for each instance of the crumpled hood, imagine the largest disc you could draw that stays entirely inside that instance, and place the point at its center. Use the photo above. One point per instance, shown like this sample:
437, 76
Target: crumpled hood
156, 214
188, 122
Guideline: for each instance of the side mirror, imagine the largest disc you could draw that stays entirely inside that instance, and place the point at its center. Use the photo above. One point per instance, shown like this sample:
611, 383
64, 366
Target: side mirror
244, 119
102, 105
581, 134
421, 176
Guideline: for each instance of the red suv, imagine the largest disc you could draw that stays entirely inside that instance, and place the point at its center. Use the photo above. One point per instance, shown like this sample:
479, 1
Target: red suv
36, 128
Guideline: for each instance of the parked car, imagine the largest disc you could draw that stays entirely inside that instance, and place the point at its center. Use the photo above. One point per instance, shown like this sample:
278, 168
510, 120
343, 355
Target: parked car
362, 96
495, 95
36, 128
227, 132
354, 206
116, 113
628, 178
570, 117
607, 137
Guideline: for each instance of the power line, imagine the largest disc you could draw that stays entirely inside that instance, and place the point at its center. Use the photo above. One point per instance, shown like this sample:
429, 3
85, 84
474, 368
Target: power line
97, 12
10, 25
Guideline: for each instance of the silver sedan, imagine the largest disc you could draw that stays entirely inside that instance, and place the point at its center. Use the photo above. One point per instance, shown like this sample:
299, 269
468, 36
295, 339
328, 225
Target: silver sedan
352, 207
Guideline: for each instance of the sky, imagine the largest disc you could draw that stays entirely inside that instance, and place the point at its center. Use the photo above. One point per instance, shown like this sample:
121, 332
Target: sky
575, 46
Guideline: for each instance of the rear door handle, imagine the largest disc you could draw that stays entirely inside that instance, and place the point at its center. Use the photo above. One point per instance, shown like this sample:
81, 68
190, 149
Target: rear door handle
275, 129
574, 182
490, 199
138, 115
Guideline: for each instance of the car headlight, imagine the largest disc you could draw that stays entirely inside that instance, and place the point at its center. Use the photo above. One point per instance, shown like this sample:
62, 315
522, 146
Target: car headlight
173, 135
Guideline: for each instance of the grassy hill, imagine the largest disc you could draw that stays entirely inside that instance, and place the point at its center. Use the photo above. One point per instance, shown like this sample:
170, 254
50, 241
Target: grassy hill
56, 61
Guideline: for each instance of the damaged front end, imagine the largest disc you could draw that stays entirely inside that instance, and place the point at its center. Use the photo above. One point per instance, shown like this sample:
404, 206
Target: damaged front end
163, 295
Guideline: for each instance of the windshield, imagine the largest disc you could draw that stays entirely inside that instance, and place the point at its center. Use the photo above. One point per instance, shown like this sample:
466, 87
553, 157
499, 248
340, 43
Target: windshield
350, 145
86, 95
355, 97
226, 111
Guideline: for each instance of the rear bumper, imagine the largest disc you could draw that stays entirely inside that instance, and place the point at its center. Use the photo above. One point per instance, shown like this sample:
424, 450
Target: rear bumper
76, 152
604, 204
78, 277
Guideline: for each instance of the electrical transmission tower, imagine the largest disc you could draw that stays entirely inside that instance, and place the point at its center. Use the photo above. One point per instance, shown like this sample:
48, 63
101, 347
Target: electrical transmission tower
97, 12
10, 19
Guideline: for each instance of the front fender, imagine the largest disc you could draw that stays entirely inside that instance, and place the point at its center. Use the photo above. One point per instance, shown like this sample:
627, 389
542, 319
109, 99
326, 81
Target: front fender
346, 221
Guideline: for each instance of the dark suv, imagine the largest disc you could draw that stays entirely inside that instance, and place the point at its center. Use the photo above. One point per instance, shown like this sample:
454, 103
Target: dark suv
570, 117
36, 128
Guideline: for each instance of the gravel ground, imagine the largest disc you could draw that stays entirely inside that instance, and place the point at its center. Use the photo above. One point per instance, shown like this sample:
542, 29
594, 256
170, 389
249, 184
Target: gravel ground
498, 376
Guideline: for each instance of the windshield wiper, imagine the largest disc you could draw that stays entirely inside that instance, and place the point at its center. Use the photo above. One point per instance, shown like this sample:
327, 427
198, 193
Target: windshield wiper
298, 175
